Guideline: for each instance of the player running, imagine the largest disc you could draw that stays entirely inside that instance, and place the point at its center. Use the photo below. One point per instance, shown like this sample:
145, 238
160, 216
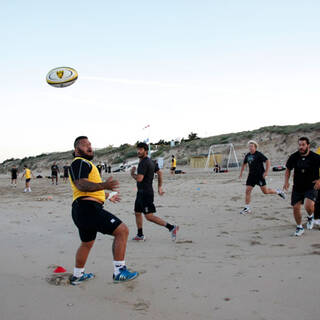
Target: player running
145, 195
257, 174
305, 164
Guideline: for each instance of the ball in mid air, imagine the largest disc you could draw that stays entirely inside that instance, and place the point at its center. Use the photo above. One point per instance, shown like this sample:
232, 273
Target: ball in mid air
62, 77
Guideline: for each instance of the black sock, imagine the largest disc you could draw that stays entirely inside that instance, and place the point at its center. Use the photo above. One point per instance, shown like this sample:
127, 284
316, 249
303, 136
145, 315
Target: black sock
169, 226
140, 233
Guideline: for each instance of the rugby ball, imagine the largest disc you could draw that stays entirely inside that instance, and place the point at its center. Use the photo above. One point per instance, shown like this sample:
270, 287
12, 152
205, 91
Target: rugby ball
62, 77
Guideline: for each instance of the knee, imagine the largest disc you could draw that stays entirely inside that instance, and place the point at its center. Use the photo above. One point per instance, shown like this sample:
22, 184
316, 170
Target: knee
87, 245
149, 217
122, 230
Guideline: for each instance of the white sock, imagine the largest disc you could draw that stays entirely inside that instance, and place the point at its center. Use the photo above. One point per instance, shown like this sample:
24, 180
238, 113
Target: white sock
247, 206
299, 226
29, 189
311, 216
117, 265
77, 272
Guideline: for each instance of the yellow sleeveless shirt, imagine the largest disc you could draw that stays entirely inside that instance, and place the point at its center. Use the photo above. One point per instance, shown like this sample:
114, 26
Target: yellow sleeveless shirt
94, 176
27, 173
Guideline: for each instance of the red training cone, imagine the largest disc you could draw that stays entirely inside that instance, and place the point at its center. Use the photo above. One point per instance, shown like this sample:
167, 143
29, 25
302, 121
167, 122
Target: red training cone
60, 270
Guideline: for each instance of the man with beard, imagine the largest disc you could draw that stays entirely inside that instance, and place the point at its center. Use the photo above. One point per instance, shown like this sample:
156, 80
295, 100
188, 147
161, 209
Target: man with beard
90, 217
305, 164
145, 196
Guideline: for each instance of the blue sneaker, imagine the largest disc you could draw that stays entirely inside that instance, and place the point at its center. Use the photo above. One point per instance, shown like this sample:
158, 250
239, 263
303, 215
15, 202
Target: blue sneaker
77, 280
125, 275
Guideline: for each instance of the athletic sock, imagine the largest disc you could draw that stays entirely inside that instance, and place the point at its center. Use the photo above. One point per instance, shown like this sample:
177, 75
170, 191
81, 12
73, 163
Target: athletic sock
247, 206
169, 226
310, 217
299, 226
140, 233
77, 272
117, 265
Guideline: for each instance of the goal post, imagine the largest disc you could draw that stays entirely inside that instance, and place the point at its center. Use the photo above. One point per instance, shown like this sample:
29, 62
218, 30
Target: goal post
222, 156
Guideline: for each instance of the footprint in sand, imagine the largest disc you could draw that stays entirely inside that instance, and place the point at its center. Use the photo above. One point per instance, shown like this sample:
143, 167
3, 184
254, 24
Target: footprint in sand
141, 305
255, 243
58, 279
184, 241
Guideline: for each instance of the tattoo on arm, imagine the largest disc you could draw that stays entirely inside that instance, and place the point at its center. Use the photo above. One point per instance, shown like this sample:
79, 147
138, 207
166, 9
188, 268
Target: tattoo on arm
86, 186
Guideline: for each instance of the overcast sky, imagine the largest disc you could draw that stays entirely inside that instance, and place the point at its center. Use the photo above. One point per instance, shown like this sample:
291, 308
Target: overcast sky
210, 67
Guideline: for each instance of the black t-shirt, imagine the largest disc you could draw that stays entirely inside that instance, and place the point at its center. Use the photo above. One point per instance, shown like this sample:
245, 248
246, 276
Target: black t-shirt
306, 170
147, 168
79, 169
54, 168
255, 161
14, 172
65, 170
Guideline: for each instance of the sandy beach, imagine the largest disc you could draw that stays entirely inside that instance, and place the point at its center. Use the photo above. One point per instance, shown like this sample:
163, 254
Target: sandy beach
222, 266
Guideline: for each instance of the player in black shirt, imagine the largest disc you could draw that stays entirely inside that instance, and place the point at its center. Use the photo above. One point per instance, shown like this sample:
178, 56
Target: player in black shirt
145, 196
305, 164
257, 174
54, 172
14, 175
66, 172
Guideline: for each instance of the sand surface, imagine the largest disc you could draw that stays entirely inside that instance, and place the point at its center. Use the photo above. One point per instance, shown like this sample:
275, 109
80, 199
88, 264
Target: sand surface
222, 266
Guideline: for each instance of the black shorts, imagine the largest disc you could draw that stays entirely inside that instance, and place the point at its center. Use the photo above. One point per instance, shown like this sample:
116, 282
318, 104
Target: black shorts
90, 218
28, 180
300, 196
173, 169
256, 180
54, 173
66, 175
14, 176
144, 203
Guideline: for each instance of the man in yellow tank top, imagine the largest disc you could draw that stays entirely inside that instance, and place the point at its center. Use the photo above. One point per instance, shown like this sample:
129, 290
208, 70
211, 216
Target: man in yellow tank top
27, 173
90, 217
173, 164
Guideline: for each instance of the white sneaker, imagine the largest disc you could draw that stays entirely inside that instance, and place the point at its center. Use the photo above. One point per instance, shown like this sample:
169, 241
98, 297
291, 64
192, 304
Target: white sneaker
310, 223
316, 222
245, 210
299, 232
281, 193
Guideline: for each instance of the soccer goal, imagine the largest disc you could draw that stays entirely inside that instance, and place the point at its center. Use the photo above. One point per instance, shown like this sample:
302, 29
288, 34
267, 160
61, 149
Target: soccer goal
222, 157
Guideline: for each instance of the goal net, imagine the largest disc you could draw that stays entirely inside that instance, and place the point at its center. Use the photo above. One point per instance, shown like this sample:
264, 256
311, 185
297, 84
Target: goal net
222, 158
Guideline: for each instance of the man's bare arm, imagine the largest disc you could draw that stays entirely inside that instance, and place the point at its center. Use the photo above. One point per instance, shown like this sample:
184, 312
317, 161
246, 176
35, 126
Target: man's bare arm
160, 178
268, 165
242, 169
85, 185
286, 179
137, 177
